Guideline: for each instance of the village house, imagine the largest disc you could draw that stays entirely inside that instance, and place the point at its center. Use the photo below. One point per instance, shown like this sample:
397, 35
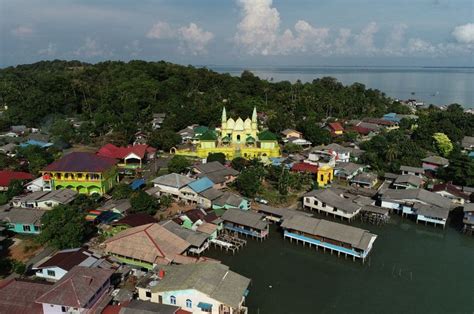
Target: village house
198, 288
191, 193
23, 220
19, 295
347, 170
230, 200
171, 184
201, 220
187, 134
364, 180
39, 144
468, 218
385, 124
7, 176
320, 157
248, 223
85, 173
277, 214
44, 199
157, 120
56, 266
198, 241
330, 202
121, 206
416, 171
452, 192
407, 181
130, 158
143, 307
149, 245
434, 208
467, 143
341, 153
322, 174
35, 185
289, 133
432, 163
9, 149
81, 290
127, 222
219, 174
335, 128
328, 235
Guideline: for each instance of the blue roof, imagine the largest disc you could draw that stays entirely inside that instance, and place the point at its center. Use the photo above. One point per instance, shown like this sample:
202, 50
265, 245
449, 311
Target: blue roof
137, 183
201, 184
36, 143
471, 154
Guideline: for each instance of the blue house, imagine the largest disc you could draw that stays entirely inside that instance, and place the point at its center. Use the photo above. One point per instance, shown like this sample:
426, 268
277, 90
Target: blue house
23, 220
392, 116
200, 185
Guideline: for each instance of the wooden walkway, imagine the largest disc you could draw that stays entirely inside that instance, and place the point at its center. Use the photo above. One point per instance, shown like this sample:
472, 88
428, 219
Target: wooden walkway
229, 242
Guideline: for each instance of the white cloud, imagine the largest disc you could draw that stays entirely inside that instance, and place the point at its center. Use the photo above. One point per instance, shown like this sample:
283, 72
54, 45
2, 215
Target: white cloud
192, 38
343, 38
161, 30
420, 46
259, 32
364, 41
134, 48
464, 33
22, 31
49, 51
91, 48
396, 40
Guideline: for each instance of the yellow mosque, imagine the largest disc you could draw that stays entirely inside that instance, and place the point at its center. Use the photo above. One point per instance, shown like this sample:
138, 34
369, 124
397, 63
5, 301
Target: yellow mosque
235, 138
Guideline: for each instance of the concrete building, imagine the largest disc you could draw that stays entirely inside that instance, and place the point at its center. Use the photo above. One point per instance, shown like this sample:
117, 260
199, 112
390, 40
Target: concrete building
330, 202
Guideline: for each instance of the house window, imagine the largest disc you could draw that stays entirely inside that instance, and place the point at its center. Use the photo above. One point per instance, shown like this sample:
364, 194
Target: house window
316, 202
321, 178
63, 309
173, 300
335, 209
51, 273
36, 228
26, 228
189, 303
324, 204
148, 294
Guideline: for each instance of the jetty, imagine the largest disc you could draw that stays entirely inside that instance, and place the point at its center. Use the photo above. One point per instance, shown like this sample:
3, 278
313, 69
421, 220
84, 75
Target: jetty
229, 242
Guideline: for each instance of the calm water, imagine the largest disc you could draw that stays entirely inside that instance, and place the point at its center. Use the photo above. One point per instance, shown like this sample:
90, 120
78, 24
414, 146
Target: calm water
438, 86
413, 269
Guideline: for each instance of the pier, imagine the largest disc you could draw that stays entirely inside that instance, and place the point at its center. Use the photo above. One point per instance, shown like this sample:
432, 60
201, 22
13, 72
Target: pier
229, 242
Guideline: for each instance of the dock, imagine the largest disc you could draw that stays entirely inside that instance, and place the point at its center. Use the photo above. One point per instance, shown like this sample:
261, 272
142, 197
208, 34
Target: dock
229, 242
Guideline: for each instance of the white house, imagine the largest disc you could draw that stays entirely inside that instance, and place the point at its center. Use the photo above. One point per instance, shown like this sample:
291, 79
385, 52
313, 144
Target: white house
56, 266
330, 202
171, 184
209, 287
36, 185
45, 199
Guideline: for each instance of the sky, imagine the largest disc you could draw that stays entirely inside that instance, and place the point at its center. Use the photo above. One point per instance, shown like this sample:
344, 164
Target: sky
240, 32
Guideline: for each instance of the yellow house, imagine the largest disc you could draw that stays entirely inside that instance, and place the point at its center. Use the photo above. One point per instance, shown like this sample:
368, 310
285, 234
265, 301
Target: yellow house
235, 138
323, 175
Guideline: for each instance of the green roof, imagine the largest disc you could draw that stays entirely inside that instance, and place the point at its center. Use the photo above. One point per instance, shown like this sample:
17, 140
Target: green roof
250, 139
226, 138
267, 136
201, 129
208, 136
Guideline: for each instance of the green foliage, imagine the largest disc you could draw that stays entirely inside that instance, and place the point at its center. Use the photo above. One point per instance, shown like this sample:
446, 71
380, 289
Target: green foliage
239, 163
399, 108
283, 181
443, 144
291, 148
220, 157
164, 139
62, 131
37, 157
117, 96
142, 202
15, 188
388, 151
350, 136
18, 267
86, 202
460, 170
178, 164
314, 133
63, 227
121, 191
166, 201
249, 182
3, 198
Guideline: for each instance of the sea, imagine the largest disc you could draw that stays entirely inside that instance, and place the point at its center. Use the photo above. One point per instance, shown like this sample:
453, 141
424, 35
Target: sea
431, 85
412, 268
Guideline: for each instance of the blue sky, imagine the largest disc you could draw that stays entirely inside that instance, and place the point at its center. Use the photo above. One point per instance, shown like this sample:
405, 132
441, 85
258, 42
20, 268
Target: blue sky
240, 32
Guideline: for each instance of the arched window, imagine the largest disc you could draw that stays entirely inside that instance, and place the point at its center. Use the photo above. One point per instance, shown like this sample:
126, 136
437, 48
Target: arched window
189, 303
173, 300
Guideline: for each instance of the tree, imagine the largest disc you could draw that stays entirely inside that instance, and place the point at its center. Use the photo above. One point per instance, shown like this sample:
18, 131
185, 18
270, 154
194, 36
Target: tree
178, 164
15, 188
143, 202
166, 201
63, 227
239, 163
164, 139
220, 157
443, 144
248, 182
291, 148
314, 133
283, 181
61, 130
121, 191
18, 267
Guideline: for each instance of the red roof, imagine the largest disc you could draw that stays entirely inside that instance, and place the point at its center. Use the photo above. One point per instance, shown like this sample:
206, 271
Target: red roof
18, 296
6, 176
112, 151
135, 220
450, 188
379, 121
361, 130
304, 167
82, 162
336, 126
